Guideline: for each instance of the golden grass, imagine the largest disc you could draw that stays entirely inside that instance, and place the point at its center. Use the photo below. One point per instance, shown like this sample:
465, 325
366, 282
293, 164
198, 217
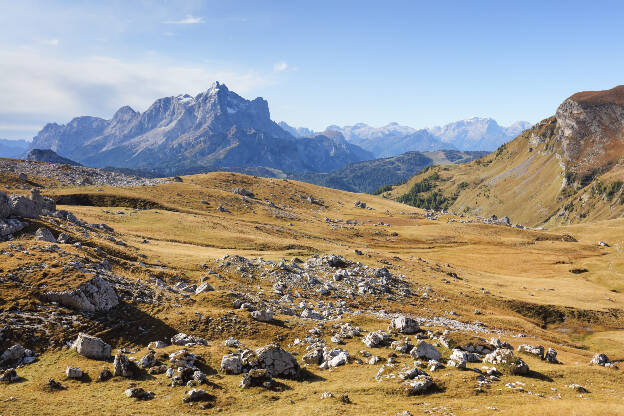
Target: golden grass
513, 265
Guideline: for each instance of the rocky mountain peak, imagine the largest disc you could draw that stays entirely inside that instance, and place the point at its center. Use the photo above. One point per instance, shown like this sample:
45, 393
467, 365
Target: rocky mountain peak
591, 129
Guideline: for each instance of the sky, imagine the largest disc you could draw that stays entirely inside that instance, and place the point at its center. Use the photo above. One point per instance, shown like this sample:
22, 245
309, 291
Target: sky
316, 62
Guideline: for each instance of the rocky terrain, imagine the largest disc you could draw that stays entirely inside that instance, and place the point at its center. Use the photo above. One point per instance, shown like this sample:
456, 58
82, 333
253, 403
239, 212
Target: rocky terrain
184, 134
225, 293
567, 168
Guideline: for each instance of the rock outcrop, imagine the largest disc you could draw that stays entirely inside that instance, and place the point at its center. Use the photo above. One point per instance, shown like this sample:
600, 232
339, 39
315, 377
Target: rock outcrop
92, 347
95, 295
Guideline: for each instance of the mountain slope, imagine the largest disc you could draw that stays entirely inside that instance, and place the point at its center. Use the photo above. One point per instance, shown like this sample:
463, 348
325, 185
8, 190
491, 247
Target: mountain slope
369, 176
568, 168
216, 128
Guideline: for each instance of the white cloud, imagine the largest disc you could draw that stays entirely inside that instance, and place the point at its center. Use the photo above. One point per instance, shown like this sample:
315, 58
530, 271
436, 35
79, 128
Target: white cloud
45, 88
280, 66
50, 42
188, 20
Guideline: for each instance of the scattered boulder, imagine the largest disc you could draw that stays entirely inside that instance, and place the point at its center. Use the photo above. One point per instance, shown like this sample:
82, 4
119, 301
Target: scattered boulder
263, 315
95, 295
73, 372
426, 351
458, 359
404, 325
53, 385
277, 361
536, 350
148, 361
64, 238
359, 204
600, 359
187, 340
5, 207
123, 367
139, 393
376, 339
92, 347
105, 375
256, 378
232, 364
507, 359
196, 395
204, 287
156, 345
551, 356
419, 385
183, 358
9, 376
43, 234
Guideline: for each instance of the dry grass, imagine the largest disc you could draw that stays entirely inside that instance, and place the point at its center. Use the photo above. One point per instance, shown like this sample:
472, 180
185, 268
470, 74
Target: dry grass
513, 265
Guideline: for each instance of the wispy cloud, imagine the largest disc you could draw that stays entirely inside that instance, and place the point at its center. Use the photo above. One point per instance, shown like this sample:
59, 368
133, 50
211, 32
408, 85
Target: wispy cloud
280, 66
38, 87
188, 20
50, 42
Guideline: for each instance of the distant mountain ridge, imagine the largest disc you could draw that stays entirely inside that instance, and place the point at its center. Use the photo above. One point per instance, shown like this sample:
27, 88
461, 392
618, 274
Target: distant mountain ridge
477, 134
178, 134
13, 148
369, 176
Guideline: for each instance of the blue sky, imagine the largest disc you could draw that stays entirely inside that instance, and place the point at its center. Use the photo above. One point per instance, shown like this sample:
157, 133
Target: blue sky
316, 62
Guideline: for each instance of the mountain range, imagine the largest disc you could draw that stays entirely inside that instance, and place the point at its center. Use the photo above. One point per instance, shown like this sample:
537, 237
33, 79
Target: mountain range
220, 130
13, 148
216, 128
483, 134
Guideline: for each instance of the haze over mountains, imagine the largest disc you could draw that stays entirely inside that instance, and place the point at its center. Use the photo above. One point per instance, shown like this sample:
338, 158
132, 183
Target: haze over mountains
483, 134
13, 148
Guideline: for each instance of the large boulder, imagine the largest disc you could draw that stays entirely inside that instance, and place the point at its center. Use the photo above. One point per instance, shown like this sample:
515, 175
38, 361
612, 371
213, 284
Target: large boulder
426, 351
123, 367
404, 325
507, 360
376, 339
232, 364
11, 226
22, 206
95, 295
277, 361
43, 234
5, 207
600, 359
92, 347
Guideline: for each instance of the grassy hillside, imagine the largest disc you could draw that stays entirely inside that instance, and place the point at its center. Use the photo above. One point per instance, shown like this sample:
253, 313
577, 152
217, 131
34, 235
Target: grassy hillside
369, 176
525, 179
